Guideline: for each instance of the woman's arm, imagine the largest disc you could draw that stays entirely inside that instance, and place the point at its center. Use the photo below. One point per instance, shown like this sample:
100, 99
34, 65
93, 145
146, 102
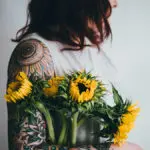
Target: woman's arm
29, 56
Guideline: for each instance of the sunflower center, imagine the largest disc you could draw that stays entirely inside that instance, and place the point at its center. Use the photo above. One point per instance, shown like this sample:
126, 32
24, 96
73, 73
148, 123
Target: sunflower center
16, 87
82, 87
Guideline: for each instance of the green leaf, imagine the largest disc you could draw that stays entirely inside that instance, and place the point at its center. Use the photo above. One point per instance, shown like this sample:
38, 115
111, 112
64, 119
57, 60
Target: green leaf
45, 84
61, 87
117, 98
64, 95
27, 110
110, 114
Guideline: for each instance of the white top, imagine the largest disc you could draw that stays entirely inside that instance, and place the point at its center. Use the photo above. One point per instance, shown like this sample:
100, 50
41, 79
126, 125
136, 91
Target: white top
89, 59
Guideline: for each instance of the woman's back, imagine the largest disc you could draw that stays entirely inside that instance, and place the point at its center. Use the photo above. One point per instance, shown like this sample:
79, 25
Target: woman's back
67, 58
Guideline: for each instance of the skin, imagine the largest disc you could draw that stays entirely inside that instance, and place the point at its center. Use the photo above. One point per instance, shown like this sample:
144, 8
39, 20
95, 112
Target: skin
113, 3
126, 146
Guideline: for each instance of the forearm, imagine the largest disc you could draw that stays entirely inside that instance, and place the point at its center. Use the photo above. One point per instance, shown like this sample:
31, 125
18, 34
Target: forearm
28, 132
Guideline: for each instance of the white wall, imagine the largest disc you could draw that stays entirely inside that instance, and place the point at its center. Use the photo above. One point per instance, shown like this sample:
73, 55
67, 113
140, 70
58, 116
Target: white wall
129, 51
12, 17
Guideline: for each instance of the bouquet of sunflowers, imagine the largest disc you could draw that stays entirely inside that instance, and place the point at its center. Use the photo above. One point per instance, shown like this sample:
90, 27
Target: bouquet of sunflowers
75, 97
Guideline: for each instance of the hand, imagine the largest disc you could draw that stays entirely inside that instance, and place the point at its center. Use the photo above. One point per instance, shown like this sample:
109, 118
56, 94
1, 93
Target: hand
126, 146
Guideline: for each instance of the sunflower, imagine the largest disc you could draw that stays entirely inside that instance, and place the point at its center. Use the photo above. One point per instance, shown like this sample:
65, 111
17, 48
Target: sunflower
21, 76
19, 89
54, 84
82, 89
127, 124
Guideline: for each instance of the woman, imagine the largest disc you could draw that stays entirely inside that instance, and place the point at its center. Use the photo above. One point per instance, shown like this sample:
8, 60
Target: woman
59, 36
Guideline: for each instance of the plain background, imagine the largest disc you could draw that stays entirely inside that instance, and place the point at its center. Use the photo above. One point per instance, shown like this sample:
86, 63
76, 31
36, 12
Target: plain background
129, 51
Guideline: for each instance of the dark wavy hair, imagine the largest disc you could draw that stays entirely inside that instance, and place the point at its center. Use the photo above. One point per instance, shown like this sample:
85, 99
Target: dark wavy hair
67, 21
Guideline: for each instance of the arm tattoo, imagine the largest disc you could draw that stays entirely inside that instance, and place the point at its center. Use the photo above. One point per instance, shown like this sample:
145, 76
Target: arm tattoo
29, 56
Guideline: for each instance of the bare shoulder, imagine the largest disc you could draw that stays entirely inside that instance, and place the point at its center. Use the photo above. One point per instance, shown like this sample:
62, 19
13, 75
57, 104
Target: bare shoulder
126, 146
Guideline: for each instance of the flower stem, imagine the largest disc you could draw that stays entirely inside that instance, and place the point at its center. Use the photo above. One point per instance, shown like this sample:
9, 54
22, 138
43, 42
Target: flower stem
50, 127
48, 118
80, 122
65, 138
63, 130
74, 128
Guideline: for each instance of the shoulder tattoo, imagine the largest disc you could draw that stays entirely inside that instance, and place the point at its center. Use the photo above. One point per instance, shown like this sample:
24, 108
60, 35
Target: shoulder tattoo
30, 56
